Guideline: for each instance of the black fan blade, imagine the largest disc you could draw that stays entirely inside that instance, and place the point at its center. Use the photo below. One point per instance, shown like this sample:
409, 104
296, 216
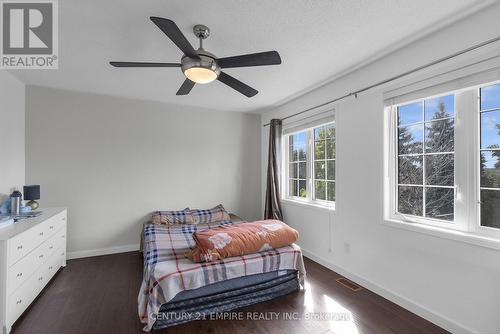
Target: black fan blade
142, 64
237, 85
174, 33
253, 59
186, 87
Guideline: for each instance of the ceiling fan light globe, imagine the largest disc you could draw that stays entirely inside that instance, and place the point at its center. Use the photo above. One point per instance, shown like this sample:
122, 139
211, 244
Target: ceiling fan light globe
200, 75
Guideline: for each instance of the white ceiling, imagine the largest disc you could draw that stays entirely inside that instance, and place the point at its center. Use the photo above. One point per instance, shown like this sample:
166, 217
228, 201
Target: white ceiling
316, 40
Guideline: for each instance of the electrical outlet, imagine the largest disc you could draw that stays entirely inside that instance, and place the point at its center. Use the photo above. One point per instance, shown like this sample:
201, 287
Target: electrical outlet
347, 247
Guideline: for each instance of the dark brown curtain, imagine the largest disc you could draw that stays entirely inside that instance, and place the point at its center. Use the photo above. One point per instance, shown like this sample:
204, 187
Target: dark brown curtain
273, 204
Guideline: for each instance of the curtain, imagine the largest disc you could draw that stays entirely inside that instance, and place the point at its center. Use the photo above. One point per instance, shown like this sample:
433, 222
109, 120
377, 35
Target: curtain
273, 204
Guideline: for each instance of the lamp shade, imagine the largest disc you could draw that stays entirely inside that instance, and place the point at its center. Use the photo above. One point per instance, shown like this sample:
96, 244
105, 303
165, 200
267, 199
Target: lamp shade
31, 192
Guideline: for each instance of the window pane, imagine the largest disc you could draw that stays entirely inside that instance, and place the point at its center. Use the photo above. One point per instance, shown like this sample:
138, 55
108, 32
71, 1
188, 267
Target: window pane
439, 203
330, 131
319, 133
294, 154
300, 138
490, 169
490, 208
440, 107
330, 191
293, 188
320, 190
410, 200
490, 129
319, 150
490, 97
293, 170
319, 169
410, 113
410, 139
302, 170
302, 152
440, 136
410, 170
302, 188
330, 170
330, 148
440, 169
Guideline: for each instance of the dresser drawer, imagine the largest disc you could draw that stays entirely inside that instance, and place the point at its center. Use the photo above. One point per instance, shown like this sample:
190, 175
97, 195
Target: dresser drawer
53, 224
23, 295
21, 270
22, 244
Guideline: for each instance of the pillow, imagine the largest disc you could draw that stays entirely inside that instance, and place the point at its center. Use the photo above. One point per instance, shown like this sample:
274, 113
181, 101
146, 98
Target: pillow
214, 215
172, 217
240, 239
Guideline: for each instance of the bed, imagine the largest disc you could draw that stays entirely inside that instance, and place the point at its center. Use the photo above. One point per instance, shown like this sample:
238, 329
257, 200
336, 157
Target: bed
176, 290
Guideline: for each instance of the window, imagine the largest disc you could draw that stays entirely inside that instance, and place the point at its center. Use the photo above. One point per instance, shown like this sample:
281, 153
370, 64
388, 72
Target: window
490, 156
426, 158
310, 162
444, 161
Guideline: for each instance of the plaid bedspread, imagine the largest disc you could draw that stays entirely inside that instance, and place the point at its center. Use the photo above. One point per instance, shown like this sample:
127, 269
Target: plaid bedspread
167, 272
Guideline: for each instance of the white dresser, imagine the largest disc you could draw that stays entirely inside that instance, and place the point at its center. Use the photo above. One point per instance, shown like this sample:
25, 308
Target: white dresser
31, 252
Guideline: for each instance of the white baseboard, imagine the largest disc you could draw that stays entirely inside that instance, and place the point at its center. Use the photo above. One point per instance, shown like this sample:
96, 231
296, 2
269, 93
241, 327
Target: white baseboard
102, 251
416, 308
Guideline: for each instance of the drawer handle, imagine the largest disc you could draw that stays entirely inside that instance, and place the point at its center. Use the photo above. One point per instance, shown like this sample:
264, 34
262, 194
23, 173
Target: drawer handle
62, 253
20, 247
40, 278
51, 247
50, 268
41, 233
62, 236
64, 218
19, 275
51, 227
41, 255
19, 301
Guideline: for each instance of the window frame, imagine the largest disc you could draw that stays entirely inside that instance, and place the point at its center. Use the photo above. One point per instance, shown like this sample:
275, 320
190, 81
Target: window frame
286, 165
313, 161
425, 155
467, 134
309, 199
477, 227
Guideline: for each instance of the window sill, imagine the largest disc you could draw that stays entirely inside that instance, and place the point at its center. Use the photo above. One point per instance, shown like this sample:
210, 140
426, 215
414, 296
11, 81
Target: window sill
307, 204
444, 233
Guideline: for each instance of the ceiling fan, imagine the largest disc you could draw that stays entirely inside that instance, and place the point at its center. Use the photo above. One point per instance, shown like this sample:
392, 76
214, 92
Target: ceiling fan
201, 66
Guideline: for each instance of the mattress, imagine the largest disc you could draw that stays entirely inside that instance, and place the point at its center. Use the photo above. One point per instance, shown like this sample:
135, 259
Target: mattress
225, 296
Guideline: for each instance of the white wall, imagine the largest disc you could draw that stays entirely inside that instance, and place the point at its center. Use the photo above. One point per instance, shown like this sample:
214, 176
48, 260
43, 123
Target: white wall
112, 161
454, 284
11, 133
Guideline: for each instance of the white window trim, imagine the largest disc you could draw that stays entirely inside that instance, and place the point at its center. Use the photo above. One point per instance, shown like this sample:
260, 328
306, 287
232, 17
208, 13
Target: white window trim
308, 200
467, 226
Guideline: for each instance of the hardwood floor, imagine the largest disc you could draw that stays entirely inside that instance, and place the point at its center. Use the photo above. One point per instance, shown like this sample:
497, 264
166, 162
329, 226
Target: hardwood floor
99, 295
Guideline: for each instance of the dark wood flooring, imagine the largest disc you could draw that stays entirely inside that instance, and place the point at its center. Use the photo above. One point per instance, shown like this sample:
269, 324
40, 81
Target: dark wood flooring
99, 295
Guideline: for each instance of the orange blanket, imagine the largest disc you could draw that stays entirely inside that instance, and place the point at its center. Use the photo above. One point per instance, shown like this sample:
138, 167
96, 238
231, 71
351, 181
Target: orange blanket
245, 238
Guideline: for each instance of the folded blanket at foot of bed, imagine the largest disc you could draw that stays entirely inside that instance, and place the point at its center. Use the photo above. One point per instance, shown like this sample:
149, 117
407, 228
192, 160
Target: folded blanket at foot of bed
241, 239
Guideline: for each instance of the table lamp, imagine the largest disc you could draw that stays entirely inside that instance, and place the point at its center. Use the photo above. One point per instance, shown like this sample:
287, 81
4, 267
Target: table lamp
32, 193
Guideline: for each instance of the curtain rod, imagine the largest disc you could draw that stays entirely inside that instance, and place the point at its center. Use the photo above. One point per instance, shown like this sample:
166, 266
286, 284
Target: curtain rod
399, 76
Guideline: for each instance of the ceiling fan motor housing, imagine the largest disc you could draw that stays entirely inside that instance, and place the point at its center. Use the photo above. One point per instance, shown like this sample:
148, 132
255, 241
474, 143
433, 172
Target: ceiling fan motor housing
207, 61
